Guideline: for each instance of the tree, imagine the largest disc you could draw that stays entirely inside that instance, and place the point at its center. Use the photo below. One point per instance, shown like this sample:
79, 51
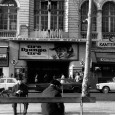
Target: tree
85, 91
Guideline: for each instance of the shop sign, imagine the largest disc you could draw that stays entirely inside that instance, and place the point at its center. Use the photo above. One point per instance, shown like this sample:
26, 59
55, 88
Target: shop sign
48, 51
106, 60
106, 44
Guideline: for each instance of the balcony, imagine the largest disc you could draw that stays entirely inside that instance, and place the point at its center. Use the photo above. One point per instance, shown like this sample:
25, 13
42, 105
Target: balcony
57, 34
93, 35
6, 33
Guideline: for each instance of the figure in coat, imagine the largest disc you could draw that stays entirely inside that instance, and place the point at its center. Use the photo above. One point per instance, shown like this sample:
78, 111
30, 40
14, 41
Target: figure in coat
20, 90
54, 90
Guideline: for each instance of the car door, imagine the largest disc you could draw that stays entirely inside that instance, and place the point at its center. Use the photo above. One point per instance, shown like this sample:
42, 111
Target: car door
3, 83
112, 85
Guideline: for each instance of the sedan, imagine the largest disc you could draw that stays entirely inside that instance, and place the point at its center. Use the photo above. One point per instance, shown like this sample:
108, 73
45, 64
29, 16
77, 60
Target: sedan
7, 83
67, 85
106, 87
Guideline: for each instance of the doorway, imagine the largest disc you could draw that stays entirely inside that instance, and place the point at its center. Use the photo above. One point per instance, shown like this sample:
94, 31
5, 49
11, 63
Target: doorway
49, 68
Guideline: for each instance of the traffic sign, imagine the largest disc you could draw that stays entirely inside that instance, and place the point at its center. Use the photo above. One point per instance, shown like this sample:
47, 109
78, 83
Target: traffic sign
14, 62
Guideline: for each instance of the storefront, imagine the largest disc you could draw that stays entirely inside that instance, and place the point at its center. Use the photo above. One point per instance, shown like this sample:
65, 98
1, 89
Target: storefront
51, 59
104, 68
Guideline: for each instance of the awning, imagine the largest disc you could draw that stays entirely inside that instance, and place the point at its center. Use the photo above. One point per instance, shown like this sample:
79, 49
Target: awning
103, 55
3, 56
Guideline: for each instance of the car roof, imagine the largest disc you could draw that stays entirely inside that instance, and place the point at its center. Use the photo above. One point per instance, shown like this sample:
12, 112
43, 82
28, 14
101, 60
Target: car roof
7, 78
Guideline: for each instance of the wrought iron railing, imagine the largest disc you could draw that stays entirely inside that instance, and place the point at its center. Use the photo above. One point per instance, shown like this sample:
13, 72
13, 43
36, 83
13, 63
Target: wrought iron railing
4, 33
93, 35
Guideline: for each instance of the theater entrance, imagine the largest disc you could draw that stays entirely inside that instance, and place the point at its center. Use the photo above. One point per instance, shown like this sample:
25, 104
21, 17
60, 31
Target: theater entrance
46, 70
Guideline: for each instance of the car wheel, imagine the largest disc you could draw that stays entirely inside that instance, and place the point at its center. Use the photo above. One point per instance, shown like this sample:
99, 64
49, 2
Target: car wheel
105, 90
76, 90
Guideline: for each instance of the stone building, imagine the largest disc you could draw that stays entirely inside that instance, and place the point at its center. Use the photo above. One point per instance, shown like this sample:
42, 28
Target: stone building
49, 37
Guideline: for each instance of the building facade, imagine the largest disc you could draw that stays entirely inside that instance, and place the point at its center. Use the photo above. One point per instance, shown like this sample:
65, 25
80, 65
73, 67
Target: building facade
49, 37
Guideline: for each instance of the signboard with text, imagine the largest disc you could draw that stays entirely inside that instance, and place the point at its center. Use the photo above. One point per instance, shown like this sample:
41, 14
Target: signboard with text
106, 44
65, 51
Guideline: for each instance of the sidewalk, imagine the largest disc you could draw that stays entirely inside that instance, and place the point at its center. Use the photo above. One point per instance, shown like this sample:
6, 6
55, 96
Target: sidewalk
98, 108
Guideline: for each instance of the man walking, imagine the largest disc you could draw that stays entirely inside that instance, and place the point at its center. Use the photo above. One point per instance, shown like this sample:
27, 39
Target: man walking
54, 90
20, 90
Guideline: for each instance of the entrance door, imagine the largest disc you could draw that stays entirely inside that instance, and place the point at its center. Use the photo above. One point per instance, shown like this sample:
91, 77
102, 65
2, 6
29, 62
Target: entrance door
46, 69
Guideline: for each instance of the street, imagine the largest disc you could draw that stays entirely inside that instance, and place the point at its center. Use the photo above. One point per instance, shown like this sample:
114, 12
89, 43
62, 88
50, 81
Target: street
99, 96
104, 105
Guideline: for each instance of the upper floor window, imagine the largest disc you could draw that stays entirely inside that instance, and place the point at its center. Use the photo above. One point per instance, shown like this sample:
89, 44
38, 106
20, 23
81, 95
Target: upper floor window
8, 15
45, 15
84, 16
108, 17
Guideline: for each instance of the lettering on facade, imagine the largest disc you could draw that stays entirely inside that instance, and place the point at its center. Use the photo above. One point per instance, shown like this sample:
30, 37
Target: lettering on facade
33, 50
107, 60
106, 44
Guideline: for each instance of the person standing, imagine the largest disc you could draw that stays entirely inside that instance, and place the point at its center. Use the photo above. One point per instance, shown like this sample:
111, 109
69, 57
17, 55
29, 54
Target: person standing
54, 90
62, 79
77, 77
20, 90
36, 78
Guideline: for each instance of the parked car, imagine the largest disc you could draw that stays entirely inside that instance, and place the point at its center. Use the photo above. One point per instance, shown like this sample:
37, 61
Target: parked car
68, 85
106, 87
7, 83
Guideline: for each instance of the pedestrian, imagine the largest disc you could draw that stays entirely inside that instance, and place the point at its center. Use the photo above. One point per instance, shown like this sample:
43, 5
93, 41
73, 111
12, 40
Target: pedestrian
46, 78
36, 78
12, 75
54, 90
62, 79
20, 90
77, 77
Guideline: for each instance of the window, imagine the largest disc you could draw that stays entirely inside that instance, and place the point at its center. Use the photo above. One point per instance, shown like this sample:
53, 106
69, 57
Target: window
10, 81
3, 81
84, 16
8, 15
42, 14
108, 17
